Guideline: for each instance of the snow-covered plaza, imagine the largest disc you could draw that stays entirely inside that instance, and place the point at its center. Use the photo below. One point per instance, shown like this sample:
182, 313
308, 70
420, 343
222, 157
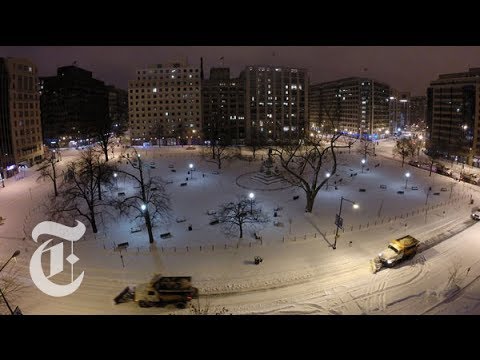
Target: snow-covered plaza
301, 273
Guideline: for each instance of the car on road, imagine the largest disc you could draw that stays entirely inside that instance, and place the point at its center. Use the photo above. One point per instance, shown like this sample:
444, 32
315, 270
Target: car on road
476, 215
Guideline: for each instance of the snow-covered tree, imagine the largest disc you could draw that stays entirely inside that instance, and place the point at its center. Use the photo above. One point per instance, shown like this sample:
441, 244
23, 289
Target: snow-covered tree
234, 216
405, 148
49, 170
150, 202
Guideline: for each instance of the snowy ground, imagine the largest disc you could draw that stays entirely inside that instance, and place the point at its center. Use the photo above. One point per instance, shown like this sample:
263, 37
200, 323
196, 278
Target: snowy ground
300, 274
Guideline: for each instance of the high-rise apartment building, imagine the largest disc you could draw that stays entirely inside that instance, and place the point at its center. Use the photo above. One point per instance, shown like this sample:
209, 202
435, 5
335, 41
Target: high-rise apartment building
354, 105
453, 116
165, 104
276, 103
399, 104
418, 111
118, 108
73, 104
20, 124
223, 106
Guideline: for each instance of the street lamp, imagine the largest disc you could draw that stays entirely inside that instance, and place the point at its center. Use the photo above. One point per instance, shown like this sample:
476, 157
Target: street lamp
143, 207
116, 180
339, 220
191, 171
251, 196
15, 254
407, 175
327, 175
363, 164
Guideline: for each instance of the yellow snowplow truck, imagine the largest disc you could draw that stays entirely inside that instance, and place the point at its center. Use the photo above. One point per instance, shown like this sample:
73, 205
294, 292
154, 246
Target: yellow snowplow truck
399, 249
161, 291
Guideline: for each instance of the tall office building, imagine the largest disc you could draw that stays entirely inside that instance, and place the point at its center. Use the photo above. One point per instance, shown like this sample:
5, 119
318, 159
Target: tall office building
223, 106
118, 108
348, 103
399, 104
276, 103
165, 104
73, 104
20, 125
454, 116
418, 111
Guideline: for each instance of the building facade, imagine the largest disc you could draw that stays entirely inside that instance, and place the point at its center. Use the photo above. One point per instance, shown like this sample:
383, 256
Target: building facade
118, 108
73, 104
165, 104
453, 116
357, 106
20, 123
223, 106
418, 111
276, 103
399, 107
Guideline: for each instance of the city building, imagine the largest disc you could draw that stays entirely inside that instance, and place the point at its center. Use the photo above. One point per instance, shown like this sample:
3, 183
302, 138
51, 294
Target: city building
453, 116
20, 124
399, 108
418, 111
73, 104
165, 104
276, 103
348, 103
314, 99
118, 108
223, 106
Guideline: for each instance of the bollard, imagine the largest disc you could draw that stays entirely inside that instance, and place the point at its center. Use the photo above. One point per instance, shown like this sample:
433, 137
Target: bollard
187, 248
213, 247
200, 247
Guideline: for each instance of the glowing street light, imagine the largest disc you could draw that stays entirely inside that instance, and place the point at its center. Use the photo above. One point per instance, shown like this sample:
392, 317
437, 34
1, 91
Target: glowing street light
191, 170
407, 175
251, 196
143, 207
339, 220
327, 175
363, 164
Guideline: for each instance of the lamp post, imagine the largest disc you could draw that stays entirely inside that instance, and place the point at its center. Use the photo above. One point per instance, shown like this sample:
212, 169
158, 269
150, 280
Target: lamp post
116, 180
251, 196
191, 171
407, 175
15, 254
363, 164
327, 175
339, 220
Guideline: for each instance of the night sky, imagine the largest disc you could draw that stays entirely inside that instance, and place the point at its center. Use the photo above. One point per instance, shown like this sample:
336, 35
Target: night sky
404, 68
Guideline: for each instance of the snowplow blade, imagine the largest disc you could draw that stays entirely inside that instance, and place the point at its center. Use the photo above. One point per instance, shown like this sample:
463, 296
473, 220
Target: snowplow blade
126, 295
375, 265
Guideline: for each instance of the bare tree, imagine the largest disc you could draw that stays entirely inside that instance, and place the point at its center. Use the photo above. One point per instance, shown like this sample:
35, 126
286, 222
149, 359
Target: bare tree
405, 148
79, 193
11, 287
234, 216
258, 141
303, 163
150, 202
104, 132
103, 175
49, 171
367, 148
433, 155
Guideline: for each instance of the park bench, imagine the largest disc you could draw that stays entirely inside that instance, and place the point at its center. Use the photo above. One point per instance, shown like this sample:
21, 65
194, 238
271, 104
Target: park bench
122, 246
214, 222
183, 184
296, 197
165, 235
135, 229
181, 219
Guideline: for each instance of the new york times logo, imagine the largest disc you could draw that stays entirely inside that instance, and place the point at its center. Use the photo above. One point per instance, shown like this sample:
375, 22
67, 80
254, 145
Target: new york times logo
56, 257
